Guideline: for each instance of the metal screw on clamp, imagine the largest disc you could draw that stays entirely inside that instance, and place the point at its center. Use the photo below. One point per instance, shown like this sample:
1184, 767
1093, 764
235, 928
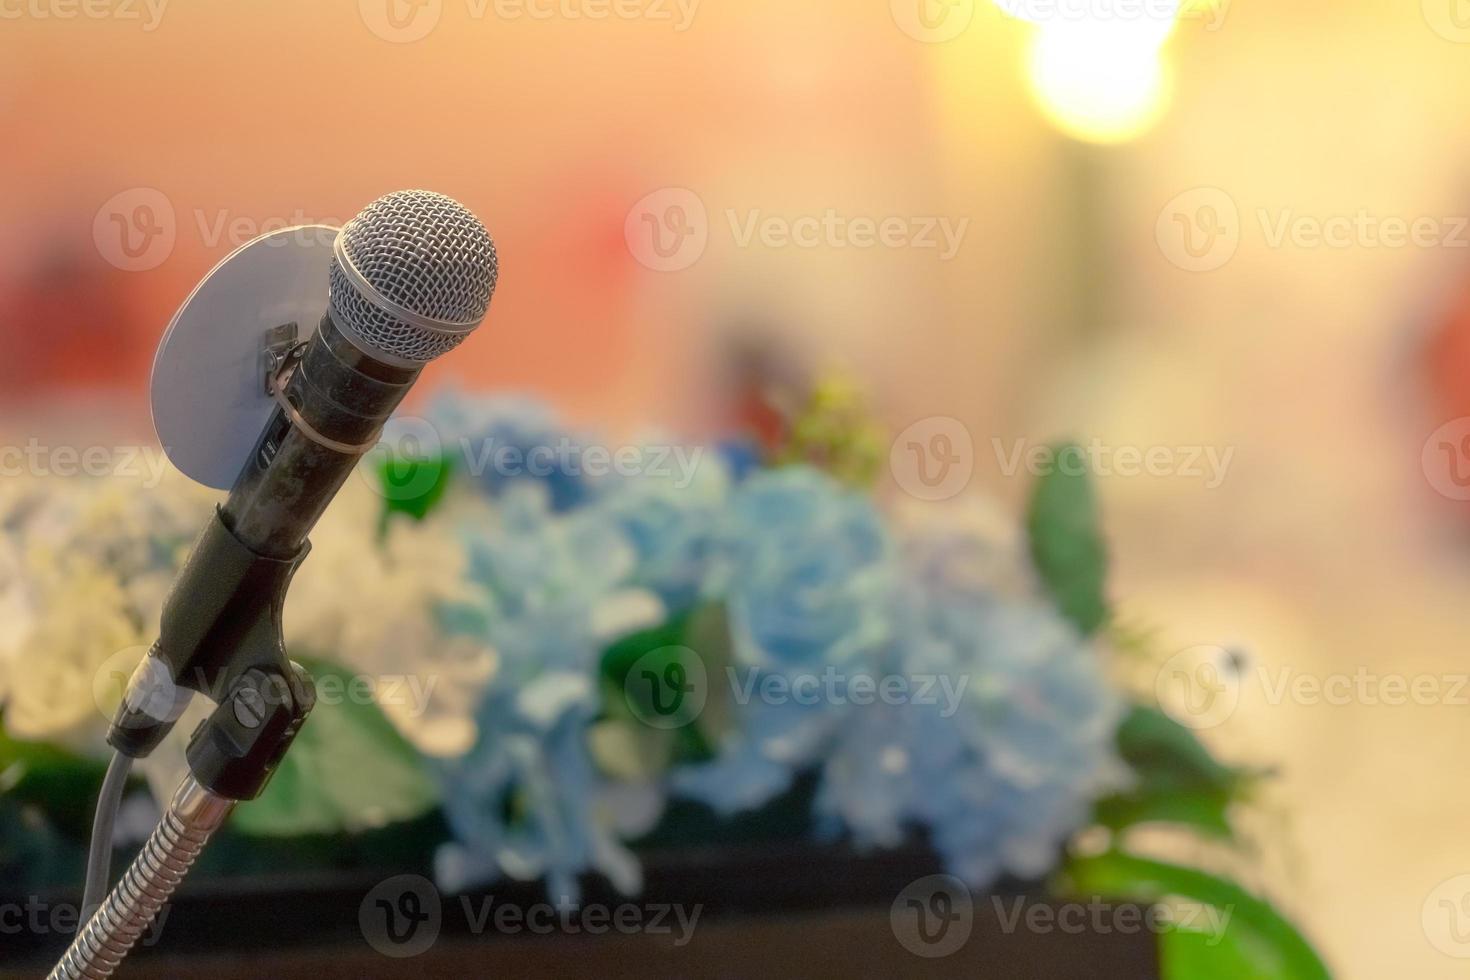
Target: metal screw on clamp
250, 707
279, 346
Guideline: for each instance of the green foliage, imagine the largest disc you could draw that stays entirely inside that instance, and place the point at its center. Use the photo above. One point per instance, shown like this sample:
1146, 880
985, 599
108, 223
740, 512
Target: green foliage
1152, 741
618, 659
1256, 942
698, 642
1178, 781
35, 856
349, 769
1193, 953
1066, 539
413, 485
46, 799
61, 783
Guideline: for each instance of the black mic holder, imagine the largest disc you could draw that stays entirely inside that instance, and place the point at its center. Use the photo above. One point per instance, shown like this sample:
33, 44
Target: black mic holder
220, 636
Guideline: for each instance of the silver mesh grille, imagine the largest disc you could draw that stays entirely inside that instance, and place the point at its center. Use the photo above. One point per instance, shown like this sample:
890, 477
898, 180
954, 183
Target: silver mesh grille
422, 272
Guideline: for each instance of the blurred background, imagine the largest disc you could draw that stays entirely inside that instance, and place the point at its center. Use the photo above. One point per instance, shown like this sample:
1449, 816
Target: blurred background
1230, 239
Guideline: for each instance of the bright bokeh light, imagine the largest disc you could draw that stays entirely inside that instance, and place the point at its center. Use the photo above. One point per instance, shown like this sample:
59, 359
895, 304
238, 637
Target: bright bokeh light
1100, 82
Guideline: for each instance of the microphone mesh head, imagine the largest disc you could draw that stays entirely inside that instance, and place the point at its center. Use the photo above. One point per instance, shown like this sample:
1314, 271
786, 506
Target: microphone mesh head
412, 275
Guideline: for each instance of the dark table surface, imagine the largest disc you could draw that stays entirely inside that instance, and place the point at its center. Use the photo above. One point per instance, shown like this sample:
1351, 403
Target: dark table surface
776, 911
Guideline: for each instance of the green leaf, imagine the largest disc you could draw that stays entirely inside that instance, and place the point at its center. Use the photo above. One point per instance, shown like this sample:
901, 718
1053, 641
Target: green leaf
700, 634
1167, 754
1153, 743
412, 485
1187, 954
1066, 543
349, 769
61, 782
1204, 812
1256, 943
1178, 780
620, 656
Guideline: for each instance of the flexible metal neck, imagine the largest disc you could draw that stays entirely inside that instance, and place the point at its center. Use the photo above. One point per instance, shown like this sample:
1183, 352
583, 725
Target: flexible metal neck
111, 933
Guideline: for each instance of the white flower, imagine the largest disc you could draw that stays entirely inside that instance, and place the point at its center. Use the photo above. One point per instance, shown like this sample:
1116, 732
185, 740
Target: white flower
373, 608
84, 568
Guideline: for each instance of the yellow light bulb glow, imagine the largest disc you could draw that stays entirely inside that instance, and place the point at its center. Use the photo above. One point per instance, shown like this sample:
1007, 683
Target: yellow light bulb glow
1099, 81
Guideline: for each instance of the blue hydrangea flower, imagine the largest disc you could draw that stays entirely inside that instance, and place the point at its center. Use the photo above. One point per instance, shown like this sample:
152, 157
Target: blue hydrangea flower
769, 745
524, 801
1004, 764
551, 587
528, 800
998, 750
503, 440
804, 566
672, 519
743, 456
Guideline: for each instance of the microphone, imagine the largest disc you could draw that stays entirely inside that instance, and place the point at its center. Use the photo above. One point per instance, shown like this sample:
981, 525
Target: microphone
411, 277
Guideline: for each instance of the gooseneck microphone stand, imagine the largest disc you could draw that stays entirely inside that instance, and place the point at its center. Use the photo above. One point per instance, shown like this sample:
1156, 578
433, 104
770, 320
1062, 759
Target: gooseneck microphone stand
220, 633
409, 278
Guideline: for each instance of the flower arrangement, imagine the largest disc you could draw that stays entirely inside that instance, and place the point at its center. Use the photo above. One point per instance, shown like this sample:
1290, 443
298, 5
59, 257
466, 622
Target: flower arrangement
565, 644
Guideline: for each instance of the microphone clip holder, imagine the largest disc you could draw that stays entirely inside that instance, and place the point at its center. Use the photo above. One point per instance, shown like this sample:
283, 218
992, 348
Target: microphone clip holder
220, 636
282, 352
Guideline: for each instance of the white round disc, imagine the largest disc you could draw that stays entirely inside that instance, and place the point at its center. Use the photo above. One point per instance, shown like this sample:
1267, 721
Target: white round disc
209, 400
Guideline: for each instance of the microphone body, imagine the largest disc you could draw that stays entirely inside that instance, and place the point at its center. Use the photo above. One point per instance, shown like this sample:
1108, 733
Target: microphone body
344, 395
